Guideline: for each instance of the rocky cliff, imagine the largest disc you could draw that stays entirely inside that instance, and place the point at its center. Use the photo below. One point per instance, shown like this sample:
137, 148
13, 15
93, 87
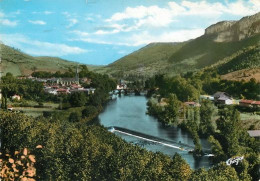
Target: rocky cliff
227, 31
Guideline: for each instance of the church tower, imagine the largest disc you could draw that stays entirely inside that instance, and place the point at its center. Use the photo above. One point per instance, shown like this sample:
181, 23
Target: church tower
77, 74
1, 96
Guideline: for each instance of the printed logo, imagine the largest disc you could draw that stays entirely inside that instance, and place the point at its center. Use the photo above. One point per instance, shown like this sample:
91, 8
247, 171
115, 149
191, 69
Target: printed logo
234, 160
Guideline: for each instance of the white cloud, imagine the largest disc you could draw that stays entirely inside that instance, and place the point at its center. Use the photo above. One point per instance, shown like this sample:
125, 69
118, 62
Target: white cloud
92, 40
65, 13
148, 16
7, 22
1, 14
37, 22
38, 48
89, 19
80, 33
256, 3
72, 21
176, 8
115, 28
47, 12
174, 36
161, 17
141, 38
136, 13
102, 32
146, 24
42, 12
241, 8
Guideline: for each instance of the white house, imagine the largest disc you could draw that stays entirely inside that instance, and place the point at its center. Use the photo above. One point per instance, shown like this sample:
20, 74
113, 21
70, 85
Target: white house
51, 91
121, 86
223, 98
16, 97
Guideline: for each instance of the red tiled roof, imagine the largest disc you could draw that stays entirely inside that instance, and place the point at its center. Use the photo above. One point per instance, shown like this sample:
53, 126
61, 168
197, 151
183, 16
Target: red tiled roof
246, 101
256, 102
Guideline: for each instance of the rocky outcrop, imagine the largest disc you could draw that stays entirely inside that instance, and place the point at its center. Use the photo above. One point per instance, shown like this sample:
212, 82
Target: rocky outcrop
219, 27
227, 31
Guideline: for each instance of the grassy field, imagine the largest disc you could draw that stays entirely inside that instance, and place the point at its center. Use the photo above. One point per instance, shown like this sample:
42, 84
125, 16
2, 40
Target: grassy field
35, 112
49, 107
249, 119
244, 74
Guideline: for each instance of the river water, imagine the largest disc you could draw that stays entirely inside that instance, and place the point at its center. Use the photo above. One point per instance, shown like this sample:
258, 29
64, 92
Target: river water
129, 113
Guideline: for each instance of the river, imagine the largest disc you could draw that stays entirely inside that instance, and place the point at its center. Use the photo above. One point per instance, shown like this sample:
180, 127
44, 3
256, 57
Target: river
129, 113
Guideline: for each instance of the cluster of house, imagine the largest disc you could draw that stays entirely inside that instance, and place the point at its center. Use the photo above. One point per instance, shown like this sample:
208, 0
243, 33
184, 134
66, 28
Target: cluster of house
57, 86
225, 99
62, 81
67, 89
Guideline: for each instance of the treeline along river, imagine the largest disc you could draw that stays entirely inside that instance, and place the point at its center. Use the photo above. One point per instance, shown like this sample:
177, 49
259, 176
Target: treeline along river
126, 116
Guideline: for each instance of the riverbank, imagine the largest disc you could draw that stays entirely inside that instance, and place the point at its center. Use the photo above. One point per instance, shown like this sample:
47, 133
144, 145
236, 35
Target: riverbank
129, 112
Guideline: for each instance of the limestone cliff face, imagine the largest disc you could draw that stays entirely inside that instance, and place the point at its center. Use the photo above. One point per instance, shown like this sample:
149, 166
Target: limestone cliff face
227, 31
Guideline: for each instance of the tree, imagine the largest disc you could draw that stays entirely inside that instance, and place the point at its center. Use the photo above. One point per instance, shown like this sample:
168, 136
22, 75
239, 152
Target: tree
46, 114
78, 99
217, 149
172, 109
74, 117
207, 111
179, 169
223, 172
229, 125
83, 71
89, 111
199, 175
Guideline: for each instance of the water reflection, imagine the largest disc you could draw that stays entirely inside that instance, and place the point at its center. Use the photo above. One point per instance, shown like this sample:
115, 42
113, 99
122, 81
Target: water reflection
130, 112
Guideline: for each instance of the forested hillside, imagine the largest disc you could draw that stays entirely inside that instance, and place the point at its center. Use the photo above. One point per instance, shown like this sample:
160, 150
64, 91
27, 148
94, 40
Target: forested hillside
224, 40
148, 60
19, 63
244, 59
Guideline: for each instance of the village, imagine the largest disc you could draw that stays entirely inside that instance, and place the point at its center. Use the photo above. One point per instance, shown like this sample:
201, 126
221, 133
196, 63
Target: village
223, 98
57, 86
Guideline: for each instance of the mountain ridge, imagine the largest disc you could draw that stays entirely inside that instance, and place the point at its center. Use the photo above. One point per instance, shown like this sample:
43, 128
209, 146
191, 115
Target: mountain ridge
228, 31
219, 41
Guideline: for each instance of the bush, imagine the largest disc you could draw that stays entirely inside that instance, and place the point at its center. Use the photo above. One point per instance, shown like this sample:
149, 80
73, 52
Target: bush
46, 114
74, 117
89, 111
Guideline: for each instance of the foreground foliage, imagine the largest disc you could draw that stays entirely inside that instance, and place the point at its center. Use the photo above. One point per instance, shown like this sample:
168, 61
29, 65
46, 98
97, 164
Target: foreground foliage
74, 151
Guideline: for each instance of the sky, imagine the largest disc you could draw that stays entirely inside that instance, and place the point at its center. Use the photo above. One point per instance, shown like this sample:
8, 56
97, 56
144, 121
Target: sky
99, 32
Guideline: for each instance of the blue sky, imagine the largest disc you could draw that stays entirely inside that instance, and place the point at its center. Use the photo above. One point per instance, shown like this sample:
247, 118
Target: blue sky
101, 31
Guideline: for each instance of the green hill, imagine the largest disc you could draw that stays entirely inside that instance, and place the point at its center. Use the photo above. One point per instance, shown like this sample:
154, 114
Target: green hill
204, 51
19, 63
181, 57
220, 41
146, 61
247, 58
